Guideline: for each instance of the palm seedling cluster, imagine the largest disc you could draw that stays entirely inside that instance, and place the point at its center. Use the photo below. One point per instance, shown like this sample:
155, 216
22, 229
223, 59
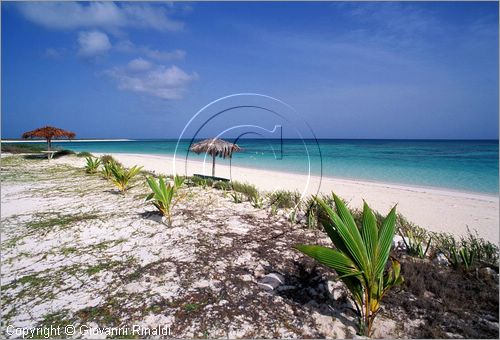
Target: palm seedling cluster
164, 196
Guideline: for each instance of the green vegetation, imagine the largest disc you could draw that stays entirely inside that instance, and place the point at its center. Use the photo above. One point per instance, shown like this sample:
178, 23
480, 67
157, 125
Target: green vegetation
59, 220
237, 197
163, 195
246, 189
416, 239
109, 159
106, 170
257, 201
92, 165
108, 162
486, 252
313, 210
221, 185
200, 182
62, 153
121, 176
284, 199
191, 307
22, 148
84, 154
461, 256
359, 257
101, 266
68, 250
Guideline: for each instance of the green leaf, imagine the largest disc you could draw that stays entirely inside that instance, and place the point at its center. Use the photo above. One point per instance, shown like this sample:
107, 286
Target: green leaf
369, 232
329, 225
332, 258
350, 235
386, 235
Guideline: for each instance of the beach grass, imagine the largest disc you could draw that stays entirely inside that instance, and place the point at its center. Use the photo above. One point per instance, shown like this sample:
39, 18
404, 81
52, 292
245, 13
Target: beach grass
249, 190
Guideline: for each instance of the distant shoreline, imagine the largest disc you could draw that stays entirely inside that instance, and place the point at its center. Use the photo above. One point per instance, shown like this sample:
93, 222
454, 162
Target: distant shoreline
65, 140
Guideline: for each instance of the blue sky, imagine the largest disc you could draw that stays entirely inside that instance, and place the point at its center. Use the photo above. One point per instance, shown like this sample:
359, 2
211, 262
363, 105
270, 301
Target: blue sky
351, 70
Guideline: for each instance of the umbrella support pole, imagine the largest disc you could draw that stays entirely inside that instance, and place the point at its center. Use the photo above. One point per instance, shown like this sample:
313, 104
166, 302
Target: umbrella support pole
213, 166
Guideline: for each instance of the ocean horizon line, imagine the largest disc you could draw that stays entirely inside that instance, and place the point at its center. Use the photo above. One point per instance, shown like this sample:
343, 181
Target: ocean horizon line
16, 140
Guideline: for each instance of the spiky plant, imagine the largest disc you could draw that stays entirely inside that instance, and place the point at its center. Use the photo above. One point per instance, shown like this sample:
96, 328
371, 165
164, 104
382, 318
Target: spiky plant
237, 197
92, 165
468, 257
257, 200
106, 169
415, 239
121, 176
163, 195
359, 257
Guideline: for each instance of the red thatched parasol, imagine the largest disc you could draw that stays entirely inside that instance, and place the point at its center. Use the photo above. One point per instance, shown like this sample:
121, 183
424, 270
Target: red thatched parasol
49, 133
215, 147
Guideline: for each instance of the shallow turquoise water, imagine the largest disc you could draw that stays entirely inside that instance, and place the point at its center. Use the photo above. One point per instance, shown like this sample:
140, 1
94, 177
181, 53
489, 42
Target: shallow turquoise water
460, 165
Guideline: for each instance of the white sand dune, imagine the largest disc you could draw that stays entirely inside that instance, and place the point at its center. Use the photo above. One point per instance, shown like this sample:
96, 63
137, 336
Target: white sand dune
435, 209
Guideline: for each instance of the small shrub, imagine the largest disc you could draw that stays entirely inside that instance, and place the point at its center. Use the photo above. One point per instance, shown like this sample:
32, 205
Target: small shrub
163, 195
461, 255
84, 154
62, 153
109, 159
311, 213
246, 189
92, 165
201, 182
416, 239
468, 256
360, 257
485, 251
284, 199
468, 251
237, 197
257, 201
121, 176
221, 185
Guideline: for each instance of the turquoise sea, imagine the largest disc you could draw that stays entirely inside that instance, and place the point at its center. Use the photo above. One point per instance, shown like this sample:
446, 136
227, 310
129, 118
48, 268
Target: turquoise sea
452, 164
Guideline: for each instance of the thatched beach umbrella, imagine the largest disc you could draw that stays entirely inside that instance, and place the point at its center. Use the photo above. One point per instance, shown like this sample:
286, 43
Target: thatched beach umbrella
215, 148
49, 133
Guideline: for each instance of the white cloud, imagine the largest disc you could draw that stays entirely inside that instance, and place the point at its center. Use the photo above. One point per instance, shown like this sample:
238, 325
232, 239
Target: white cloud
127, 46
139, 64
93, 43
104, 15
150, 16
156, 80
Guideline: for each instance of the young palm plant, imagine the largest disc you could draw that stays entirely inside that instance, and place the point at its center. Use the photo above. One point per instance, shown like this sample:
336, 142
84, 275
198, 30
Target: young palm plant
106, 169
414, 241
163, 195
121, 176
359, 257
92, 165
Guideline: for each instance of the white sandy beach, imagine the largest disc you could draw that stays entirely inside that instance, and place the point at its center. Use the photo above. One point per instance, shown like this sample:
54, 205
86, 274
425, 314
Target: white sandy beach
434, 209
